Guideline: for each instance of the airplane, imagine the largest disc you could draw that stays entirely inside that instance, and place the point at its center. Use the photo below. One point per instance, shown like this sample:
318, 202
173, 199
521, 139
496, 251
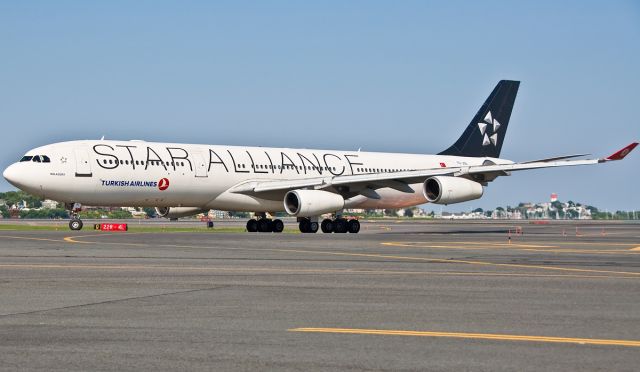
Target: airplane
180, 180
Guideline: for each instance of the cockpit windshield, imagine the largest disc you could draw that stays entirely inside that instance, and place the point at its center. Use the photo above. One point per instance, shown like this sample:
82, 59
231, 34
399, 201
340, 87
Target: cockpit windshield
36, 158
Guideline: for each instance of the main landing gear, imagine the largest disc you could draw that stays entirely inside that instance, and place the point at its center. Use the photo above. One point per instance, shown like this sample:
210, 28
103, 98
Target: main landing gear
76, 223
337, 225
340, 226
307, 225
264, 224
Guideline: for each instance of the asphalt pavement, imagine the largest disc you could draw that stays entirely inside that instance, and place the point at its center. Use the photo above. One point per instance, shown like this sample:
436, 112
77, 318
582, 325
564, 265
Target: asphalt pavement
399, 296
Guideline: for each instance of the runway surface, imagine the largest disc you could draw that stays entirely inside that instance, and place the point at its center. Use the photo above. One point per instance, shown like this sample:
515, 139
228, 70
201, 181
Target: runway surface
398, 296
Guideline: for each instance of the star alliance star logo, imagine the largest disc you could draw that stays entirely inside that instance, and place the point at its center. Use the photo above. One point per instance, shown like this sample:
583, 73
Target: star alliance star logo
63, 160
486, 139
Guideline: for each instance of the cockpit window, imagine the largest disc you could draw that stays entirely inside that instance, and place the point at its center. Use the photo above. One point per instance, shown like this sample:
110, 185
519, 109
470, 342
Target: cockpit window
36, 158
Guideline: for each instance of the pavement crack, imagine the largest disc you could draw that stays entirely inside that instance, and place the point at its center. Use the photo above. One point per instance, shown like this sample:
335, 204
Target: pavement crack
111, 301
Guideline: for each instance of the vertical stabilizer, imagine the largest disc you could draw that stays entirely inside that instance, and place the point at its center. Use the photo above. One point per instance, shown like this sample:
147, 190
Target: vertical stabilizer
485, 134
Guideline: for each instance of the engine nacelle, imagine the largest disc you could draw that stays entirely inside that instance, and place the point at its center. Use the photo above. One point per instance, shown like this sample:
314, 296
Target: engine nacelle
308, 203
177, 212
449, 190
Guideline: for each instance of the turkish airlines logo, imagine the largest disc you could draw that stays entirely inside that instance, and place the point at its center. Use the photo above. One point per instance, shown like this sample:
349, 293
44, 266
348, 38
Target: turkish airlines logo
486, 138
163, 184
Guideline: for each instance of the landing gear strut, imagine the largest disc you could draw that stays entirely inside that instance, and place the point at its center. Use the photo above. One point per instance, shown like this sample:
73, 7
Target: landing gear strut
75, 223
264, 224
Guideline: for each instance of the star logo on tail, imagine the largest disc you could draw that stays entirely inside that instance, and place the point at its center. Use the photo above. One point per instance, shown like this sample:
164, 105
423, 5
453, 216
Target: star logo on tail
489, 123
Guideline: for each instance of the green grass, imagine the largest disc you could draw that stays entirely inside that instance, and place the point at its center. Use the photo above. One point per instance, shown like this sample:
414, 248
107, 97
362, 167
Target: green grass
132, 228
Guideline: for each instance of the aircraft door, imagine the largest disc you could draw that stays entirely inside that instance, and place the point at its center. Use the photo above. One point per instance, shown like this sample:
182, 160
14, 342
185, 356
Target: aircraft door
83, 163
200, 165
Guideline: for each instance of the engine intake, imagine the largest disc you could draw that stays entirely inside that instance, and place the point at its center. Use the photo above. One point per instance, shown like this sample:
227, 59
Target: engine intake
177, 212
450, 190
308, 203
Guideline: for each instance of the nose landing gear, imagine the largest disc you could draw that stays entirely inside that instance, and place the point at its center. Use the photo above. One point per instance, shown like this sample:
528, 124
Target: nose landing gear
76, 223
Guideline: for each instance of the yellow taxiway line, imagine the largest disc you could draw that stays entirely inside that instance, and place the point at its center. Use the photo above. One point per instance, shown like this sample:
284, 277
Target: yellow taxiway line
473, 336
489, 245
73, 239
138, 267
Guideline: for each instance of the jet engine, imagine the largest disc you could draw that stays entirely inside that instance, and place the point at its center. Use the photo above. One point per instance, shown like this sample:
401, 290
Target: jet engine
308, 203
449, 190
177, 212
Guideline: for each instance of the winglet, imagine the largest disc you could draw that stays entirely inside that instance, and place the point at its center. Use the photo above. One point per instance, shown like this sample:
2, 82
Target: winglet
620, 154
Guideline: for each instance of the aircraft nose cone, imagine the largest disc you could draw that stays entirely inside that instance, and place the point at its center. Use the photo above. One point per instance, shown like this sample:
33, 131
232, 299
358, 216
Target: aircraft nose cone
11, 174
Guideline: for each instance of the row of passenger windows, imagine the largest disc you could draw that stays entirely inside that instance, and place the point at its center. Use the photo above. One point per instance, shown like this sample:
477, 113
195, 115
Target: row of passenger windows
142, 162
369, 170
36, 159
380, 170
287, 166
45, 159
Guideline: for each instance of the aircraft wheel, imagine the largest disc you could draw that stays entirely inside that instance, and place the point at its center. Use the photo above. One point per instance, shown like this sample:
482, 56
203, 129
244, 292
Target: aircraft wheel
264, 225
326, 226
304, 225
340, 226
278, 226
75, 224
252, 225
353, 226
313, 227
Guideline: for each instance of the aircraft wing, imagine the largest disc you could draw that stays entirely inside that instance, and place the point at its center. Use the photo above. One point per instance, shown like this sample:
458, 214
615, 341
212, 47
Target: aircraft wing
551, 162
396, 180
401, 180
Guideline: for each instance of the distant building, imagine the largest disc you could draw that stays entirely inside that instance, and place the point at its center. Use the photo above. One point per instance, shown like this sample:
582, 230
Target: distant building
214, 213
49, 204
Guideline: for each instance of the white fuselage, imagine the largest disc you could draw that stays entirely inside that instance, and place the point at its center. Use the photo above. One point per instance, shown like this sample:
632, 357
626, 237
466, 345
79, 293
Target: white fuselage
138, 173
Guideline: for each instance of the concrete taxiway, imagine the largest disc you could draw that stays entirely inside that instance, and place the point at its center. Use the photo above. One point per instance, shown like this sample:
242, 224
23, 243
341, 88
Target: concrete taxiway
398, 296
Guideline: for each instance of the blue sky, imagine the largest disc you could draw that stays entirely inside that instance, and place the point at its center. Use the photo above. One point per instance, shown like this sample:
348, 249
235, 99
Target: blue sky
384, 76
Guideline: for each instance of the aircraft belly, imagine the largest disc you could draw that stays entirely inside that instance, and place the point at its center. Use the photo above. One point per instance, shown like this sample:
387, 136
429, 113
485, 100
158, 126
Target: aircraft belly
245, 203
390, 198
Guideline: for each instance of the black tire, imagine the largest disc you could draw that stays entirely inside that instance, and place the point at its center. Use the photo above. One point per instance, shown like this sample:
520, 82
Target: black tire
353, 226
304, 225
313, 227
340, 226
264, 225
278, 226
75, 225
252, 225
326, 226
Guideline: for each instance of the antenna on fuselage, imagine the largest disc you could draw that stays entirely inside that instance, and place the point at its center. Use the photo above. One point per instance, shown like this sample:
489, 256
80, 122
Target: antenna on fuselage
101, 139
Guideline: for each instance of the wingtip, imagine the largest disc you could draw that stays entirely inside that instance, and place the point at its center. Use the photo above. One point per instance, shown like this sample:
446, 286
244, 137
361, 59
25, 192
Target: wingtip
622, 153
